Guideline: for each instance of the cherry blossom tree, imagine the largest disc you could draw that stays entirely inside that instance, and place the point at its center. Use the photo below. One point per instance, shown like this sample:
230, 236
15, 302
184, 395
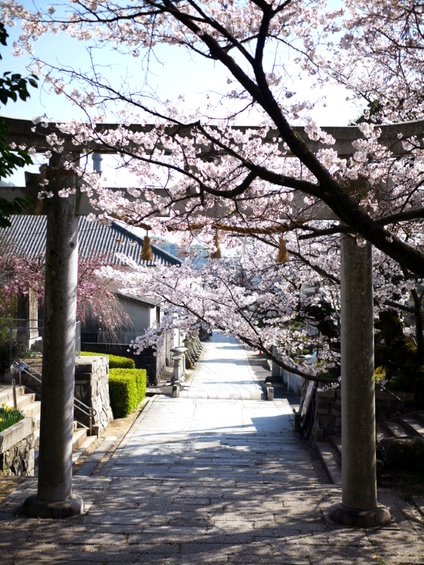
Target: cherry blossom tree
243, 175
285, 306
96, 298
282, 179
251, 296
205, 173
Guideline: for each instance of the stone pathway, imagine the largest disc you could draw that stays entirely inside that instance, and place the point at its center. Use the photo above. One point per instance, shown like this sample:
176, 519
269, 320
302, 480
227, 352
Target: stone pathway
235, 441
207, 480
224, 372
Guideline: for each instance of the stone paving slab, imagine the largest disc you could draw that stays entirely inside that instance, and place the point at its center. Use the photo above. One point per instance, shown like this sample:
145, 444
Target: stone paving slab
223, 372
197, 481
288, 525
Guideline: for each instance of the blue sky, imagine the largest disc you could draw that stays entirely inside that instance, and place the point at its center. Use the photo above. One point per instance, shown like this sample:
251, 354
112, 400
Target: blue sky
173, 73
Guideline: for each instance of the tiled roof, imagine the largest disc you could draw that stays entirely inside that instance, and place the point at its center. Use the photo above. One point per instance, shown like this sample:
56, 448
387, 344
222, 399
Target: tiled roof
27, 236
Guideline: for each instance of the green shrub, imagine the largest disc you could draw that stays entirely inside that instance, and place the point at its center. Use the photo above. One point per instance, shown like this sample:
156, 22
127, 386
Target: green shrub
127, 388
123, 395
115, 361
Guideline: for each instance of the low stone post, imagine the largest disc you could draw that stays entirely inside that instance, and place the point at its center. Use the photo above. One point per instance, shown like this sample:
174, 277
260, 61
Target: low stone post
359, 505
176, 377
179, 353
54, 498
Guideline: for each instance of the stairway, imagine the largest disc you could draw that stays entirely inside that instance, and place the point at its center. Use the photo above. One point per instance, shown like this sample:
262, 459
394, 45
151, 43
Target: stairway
28, 404
405, 426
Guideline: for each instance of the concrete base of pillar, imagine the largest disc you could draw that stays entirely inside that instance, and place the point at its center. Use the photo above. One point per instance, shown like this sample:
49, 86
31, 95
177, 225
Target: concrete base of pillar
358, 518
33, 507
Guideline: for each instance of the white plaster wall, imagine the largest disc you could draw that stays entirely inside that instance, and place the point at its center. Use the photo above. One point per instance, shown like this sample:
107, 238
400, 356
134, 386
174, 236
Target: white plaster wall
143, 316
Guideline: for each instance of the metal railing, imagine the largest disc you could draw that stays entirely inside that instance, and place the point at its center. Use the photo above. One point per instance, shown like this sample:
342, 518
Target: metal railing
23, 337
21, 367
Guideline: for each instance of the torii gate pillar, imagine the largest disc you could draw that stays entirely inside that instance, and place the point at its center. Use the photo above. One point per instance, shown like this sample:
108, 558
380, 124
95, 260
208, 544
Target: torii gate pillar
359, 506
54, 498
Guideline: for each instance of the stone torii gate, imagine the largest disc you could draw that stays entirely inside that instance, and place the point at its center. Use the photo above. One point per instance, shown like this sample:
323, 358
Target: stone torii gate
54, 498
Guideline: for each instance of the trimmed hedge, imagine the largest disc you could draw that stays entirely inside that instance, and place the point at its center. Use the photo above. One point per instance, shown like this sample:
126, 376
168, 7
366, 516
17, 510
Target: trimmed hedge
115, 361
127, 388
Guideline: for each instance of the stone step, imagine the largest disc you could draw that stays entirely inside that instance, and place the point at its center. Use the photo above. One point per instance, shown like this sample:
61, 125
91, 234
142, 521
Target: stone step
412, 424
394, 428
419, 415
330, 460
78, 437
84, 444
25, 400
27, 403
6, 394
382, 433
80, 442
33, 409
408, 425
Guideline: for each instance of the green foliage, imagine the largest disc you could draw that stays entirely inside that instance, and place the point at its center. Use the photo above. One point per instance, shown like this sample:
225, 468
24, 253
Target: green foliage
141, 379
9, 161
115, 361
123, 394
380, 375
373, 114
397, 354
10, 348
13, 87
9, 416
127, 388
9, 208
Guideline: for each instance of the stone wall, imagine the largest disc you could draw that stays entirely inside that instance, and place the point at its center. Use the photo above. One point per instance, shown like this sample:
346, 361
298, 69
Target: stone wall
328, 412
293, 383
391, 405
327, 416
17, 449
92, 388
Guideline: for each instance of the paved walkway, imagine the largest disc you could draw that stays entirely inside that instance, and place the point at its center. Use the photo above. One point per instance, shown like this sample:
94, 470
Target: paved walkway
224, 372
207, 480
